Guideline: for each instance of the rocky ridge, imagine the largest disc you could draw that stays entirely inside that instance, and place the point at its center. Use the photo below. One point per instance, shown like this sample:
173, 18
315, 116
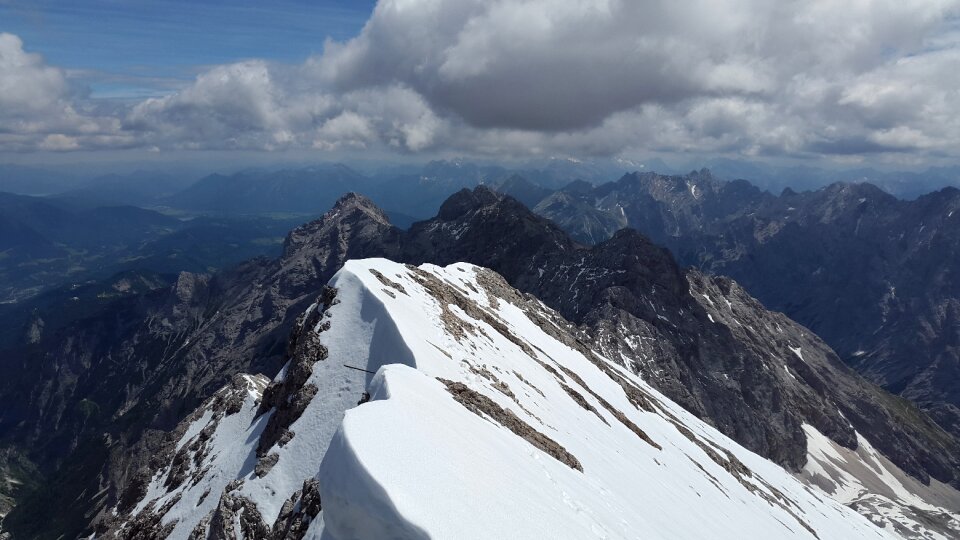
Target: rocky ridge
874, 276
473, 357
145, 364
627, 298
631, 298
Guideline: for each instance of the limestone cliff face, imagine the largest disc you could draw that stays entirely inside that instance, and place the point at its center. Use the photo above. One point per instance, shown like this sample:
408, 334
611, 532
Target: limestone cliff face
630, 296
148, 365
90, 403
258, 467
874, 276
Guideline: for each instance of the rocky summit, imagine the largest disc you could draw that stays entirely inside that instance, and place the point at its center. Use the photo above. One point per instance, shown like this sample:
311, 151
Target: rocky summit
339, 270
700, 342
468, 383
876, 277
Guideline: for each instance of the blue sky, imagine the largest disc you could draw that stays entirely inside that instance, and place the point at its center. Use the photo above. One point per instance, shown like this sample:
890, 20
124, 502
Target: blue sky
137, 48
873, 82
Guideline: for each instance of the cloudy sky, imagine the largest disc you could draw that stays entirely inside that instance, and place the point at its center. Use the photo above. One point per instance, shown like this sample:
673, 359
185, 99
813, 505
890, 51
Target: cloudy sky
824, 81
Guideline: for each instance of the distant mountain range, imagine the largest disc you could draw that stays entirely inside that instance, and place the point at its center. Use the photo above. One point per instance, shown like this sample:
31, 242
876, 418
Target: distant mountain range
902, 184
87, 401
128, 319
140, 188
44, 242
299, 191
408, 194
239, 191
876, 277
48, 242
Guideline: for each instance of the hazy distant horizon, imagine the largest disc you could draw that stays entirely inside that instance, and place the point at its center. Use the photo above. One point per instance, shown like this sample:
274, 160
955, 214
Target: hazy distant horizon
903, 183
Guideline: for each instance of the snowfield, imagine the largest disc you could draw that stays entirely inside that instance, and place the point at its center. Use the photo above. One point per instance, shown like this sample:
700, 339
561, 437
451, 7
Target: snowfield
486, 419
866, 480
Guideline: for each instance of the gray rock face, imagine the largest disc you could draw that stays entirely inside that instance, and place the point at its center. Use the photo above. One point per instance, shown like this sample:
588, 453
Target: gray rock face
169, 351
876, 277
661, 207
631, 297
291, 395
147, 362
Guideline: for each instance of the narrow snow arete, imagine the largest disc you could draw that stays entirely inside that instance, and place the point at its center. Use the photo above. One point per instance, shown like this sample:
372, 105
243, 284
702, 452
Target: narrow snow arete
487, 418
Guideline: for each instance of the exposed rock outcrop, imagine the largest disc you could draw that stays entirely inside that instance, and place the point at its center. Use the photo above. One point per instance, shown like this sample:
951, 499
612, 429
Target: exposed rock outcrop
875, 277
625, 297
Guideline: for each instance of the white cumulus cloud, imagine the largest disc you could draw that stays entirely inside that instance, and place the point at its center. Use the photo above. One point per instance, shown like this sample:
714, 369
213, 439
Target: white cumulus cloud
37, 109
749, 77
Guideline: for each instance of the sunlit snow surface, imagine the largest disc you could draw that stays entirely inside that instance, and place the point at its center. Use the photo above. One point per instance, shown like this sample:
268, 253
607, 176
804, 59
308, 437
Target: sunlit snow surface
415, 463
866, 480
415, 456
231, 457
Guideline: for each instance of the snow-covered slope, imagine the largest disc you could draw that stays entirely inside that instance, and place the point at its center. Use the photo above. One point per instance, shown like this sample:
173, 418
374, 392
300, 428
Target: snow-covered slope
868, 482
486, 419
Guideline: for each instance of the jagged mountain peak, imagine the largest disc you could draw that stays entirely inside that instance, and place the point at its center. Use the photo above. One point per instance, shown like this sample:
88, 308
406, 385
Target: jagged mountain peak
950, 191
944, 201
354, 200
678, 180
633, 236
855, 193
352, 205
643, 257
351, 211
717, 353
522, 189
466, 201
873, 275
632, 298
483, 224
577, 187
855, 188
480, 394
485, 206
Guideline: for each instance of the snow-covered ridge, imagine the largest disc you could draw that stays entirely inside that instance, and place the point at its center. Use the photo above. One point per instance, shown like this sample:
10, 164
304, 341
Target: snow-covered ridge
486, 419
